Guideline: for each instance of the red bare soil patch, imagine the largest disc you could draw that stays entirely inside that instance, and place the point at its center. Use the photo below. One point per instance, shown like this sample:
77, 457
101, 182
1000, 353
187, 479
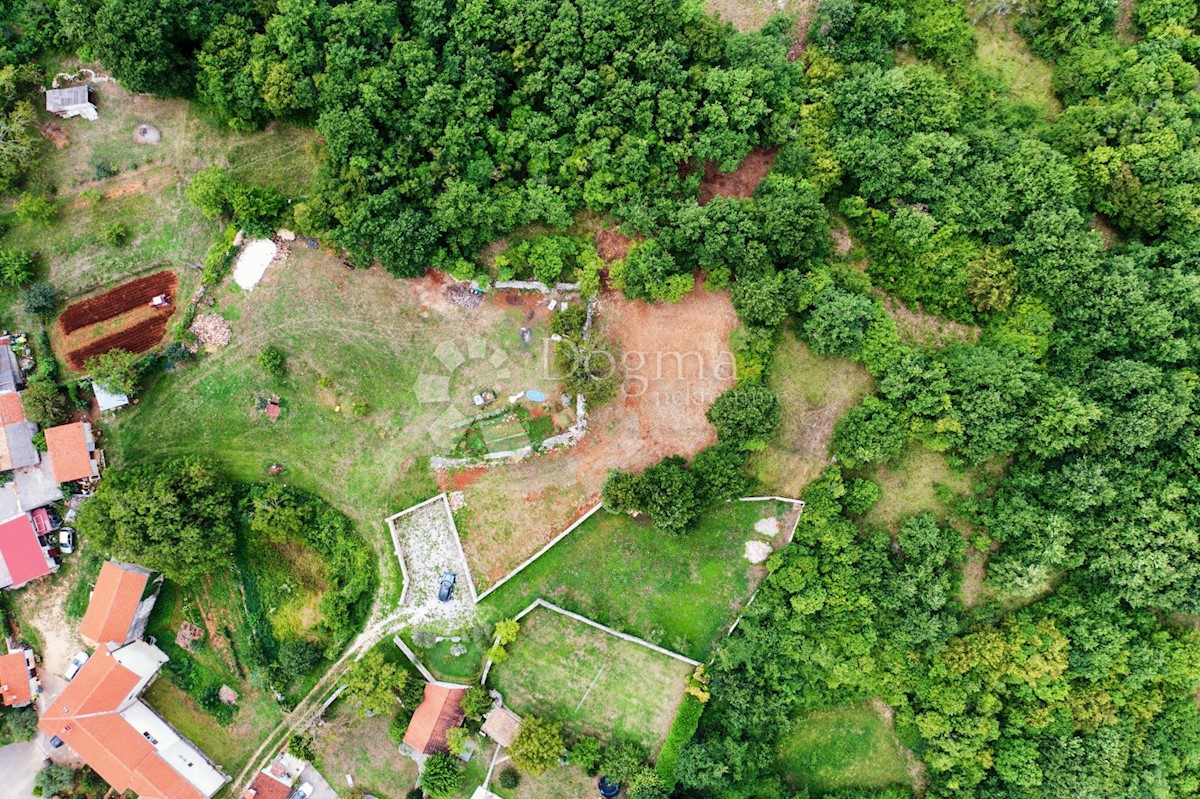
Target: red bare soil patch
137, 338
117, 301
739, 183
612, 244
677, 361
457, 481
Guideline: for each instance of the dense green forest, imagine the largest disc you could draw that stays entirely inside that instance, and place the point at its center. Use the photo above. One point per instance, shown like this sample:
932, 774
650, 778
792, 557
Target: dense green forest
446, 125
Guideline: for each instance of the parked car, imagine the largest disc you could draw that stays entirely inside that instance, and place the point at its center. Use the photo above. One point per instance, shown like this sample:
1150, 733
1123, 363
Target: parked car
56, 742
303, 792
446, 589
66, 540
75, 665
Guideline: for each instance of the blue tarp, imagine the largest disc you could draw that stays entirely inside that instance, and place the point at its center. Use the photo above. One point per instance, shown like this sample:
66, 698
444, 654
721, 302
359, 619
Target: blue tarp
533, 395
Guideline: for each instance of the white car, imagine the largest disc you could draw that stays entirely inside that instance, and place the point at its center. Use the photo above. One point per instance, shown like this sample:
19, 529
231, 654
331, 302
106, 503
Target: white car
75, 665
66, 540
303, 792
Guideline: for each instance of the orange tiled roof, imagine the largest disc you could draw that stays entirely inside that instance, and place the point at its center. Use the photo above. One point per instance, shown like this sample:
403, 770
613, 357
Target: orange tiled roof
11, 409
113, 605
438, 712
69, 454
14, 679
85, 717
266, 787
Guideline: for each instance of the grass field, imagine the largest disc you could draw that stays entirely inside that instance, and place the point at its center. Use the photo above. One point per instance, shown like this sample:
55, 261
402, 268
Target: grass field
349, 337
350, 744
911, 485
593, 681
842, 747
679, 592
815, 393
1003, 52
564, 782
142, 186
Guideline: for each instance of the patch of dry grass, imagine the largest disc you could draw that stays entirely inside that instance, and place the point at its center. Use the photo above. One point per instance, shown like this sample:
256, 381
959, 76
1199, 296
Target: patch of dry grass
815, 393
911, 486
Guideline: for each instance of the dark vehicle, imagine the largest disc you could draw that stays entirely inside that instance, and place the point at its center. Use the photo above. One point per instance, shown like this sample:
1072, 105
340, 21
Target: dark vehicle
56, 742
447, 586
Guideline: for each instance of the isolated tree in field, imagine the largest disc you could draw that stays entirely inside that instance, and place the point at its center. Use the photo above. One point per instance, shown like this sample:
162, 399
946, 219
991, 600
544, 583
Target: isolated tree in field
538, 746
174, 517
116, 370
745, 416
209, 190
272, 361
441, 777
374, 684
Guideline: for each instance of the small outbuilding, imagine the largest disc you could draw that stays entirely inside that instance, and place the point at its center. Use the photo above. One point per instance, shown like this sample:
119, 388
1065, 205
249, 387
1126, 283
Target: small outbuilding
502, 726
74, 101
108, 400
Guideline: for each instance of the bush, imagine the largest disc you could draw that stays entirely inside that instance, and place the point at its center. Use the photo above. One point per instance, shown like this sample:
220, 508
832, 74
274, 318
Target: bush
415, 793
870, 432
35, 209
586, 753
457, 739
104, 169
273, 362
115, 235
570, 322
620, 491
298, 656
399, 725
507, 631
441, 777
39, 300
55, 779
509, 778
682, 731
838, 325
622, 760
16, 267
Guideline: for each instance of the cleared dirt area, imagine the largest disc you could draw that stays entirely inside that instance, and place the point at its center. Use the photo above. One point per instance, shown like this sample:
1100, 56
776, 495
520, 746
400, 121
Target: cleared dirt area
612, 244
918, 328
742, 181
676, 361
815, 393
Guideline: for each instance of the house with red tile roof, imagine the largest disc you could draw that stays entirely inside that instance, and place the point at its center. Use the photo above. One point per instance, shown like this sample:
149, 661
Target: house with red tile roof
71, 449
439, 711
101, 717
23, 555
120, 604
16, 434
18, 678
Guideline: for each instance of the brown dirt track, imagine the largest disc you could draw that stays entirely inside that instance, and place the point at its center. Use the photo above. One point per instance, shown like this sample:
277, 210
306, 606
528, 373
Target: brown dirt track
115, 302
514, 509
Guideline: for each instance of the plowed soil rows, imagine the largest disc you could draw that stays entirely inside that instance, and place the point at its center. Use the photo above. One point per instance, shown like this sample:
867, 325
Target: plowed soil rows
117, 301
137, 338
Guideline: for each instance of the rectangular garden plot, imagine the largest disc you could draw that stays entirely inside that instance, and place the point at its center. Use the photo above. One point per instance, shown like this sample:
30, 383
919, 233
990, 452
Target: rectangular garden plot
591, 680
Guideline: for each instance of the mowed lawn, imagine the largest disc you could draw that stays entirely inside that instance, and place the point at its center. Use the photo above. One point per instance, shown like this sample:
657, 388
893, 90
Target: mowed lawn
594, 682
842, 747
680, 592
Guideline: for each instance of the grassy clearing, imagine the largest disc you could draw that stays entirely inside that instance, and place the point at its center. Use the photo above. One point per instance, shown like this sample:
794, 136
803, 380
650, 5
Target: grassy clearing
347, 744
444, 665
349, 337
564, 782
918, 482
841, 748
1003, 52
815, 393
142, 186
591, 680
678, 592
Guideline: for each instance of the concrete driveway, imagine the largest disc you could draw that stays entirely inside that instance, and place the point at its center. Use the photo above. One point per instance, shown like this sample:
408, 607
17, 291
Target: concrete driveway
321, 787
20, 763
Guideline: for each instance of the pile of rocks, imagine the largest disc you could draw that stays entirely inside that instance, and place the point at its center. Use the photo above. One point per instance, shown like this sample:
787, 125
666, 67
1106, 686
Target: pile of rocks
463, 296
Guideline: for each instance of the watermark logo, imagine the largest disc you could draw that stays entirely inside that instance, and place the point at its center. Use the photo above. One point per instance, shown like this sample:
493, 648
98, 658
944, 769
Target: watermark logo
434, 388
